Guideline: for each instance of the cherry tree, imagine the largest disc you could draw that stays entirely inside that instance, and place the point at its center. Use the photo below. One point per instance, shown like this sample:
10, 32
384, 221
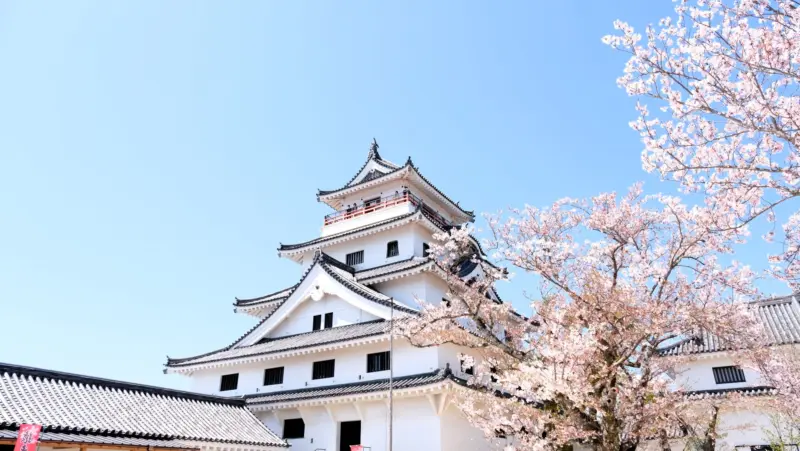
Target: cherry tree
719, 108
619, 278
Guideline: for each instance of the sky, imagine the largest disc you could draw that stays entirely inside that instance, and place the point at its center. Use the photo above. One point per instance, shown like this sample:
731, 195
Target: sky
154, 154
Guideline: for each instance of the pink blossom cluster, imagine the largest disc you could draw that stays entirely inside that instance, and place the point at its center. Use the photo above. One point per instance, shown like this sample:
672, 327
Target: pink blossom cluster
725, 80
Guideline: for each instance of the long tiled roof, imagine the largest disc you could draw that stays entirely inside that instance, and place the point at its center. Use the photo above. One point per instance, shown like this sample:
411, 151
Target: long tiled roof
320, 240
64, 402
409, 165
408, 264
291, 342
780, 317
66, 437
725, 392
354, 388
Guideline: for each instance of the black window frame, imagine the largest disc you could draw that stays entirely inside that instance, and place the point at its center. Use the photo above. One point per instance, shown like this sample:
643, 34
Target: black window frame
730, 374
273, 376
298, 429
379, 361
354, 258
470, 370
373, 201
392, 249
321, 369
426, 249
328, 320
316, 323
225, 383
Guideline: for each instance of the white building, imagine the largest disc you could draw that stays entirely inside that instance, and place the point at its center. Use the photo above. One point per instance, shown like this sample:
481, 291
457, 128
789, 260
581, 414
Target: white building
713, 374
315, 368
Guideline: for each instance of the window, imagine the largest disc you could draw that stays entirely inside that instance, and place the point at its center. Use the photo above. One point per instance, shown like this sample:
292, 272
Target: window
356, 258
378, 362
728, 374
229, 382
446, 302
294, 428
273, 376
493, 370
468, 370
426, 249
392, 249
328, 320
323, 369
371, 202
317, 322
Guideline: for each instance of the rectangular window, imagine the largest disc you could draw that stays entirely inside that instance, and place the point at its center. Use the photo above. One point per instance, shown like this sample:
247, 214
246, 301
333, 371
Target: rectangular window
328, 320
229, 382
294, 428
323, 369
317, 322
356, 258
378, 362
728, 374
392, 249
371, 202
469, 370
426, 249
273, 376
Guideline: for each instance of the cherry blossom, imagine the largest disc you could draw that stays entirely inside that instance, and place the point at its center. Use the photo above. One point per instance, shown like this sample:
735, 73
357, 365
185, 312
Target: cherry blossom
620, 277
719, 108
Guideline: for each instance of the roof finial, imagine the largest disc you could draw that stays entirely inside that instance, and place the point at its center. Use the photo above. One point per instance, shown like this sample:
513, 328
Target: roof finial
373, 150
409, 162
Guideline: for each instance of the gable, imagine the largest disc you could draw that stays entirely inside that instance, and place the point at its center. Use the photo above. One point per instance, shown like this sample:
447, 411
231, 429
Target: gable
370, 171
302, 318
326, 278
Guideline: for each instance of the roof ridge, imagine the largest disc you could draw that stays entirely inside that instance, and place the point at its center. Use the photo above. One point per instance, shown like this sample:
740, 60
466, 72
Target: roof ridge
33, 372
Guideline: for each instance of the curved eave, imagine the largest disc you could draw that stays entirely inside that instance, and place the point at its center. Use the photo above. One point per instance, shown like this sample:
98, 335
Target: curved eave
296, 251
409, 172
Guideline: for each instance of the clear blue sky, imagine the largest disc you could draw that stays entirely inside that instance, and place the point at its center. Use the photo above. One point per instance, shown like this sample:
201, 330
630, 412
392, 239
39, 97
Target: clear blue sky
155, 153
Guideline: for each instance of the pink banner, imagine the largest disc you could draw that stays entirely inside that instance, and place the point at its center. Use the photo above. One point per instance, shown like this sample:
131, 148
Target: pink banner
28, 437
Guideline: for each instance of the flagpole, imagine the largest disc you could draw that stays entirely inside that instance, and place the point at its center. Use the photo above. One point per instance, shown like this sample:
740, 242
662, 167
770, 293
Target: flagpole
391, 371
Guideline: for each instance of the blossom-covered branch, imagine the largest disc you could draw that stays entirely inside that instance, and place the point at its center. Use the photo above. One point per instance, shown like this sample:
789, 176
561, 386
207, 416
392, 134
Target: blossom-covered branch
620, 278
725, 77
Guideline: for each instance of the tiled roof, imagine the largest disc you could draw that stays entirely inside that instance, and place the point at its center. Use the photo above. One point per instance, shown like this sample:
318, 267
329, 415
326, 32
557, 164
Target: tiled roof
373, 155
276, 296
289, 247
780, 317
722, 393
340, 272
365, 275
347, 278
291, 342
65, 437
64, 402
354, 388
410, 166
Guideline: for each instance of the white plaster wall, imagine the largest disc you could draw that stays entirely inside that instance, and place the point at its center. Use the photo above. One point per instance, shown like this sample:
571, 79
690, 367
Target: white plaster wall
351, 366
410, 289
301, 320
743, 427
698, 375
458, 435
367, 219
416, 427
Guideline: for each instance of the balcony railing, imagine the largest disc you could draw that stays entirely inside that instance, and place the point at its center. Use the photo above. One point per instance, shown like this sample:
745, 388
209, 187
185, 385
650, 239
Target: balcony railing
381, 203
